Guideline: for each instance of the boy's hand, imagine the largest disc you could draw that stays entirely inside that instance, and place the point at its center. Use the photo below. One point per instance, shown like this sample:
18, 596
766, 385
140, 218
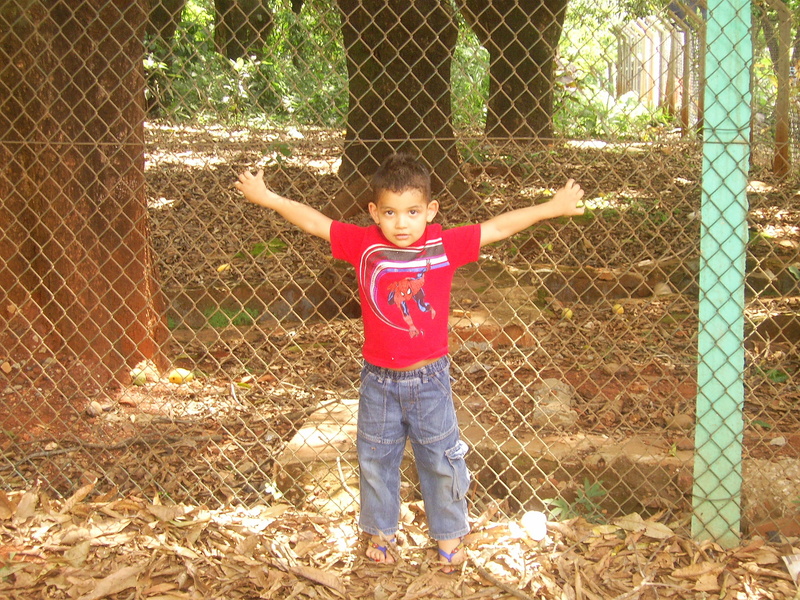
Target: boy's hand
564, 203
567, 198
307, 218
253, 186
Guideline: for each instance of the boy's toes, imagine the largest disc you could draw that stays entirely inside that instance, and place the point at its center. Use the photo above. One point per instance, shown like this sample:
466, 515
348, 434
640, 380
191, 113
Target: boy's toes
451, 555
378, 550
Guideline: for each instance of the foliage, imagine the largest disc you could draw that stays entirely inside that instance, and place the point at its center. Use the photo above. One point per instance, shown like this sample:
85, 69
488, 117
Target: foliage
273, 246
773, 374
585, 100
307, 63
596, 113
764, 95
223, 317
586, 503
470, 80
298, 77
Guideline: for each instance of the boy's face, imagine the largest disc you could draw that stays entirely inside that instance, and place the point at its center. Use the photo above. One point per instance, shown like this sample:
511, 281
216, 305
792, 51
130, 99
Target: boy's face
403, 217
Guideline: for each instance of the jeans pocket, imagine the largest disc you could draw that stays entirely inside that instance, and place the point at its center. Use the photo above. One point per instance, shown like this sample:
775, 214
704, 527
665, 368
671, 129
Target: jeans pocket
455, 456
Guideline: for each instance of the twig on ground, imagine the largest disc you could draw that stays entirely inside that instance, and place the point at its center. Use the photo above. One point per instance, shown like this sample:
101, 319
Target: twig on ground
502, 585
136, 440
343, 480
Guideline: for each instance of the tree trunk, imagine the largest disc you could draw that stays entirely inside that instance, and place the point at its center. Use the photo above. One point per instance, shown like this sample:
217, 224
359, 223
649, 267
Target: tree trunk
162, 23
770, 37
164, 18
521, 37
241, 26
398, 60
76, 270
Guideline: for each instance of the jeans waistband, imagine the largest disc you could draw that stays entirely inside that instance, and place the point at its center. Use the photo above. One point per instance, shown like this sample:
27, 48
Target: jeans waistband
436, 367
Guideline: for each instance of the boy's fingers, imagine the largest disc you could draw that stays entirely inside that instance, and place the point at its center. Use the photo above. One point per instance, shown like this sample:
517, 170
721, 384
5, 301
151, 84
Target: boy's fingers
242, 179
246, 176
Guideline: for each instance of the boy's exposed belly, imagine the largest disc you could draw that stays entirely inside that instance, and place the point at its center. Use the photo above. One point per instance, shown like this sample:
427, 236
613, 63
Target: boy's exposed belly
418, 365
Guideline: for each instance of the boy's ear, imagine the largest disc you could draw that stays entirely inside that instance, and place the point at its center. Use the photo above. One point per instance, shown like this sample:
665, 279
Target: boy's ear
433, 208
373, 211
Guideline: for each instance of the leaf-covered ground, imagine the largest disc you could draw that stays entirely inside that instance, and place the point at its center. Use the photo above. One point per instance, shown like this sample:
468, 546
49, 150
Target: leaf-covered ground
129, 548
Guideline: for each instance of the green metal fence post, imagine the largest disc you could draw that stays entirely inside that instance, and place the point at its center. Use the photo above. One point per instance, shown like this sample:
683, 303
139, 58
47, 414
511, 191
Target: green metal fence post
720, 397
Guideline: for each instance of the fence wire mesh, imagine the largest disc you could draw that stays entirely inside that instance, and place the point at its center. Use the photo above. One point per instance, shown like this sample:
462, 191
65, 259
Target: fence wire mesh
162, 337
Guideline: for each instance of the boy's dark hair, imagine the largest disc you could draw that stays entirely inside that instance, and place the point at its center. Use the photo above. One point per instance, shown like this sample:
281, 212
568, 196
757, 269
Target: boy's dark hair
400, 172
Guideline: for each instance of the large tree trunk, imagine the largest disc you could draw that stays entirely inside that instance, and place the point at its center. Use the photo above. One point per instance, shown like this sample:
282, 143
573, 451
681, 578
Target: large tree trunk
398, 60
76, 271
522, 37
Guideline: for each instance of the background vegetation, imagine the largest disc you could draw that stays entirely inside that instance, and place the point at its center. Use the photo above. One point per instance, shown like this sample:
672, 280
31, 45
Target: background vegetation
300, 76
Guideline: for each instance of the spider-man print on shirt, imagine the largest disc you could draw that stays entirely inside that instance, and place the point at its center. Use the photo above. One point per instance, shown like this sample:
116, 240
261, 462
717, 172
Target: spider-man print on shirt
403, 292
395, 280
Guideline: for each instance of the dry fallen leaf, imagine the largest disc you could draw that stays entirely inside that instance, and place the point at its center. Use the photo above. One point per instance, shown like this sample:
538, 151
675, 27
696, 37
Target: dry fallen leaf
26, 507
77, 497
658, 531
324, 577
697, 570
7, 507
707, 583
124, 578
631, 522
167, 513
78, 554
247, 545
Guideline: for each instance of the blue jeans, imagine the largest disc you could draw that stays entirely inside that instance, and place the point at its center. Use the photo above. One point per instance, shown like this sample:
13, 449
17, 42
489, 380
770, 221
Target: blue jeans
418, 405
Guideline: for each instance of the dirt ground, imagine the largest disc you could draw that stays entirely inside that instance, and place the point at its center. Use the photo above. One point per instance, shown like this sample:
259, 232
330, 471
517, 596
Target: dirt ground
115, 454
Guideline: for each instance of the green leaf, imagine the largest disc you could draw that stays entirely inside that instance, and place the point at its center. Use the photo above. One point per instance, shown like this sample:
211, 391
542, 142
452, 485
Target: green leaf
276, 245
777, 376
273, 246
258, 249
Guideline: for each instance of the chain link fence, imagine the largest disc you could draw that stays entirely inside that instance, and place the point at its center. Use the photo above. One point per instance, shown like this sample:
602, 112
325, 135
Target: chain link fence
162, 337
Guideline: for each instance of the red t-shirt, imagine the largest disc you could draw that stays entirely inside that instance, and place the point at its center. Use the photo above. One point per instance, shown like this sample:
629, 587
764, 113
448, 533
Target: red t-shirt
405, 292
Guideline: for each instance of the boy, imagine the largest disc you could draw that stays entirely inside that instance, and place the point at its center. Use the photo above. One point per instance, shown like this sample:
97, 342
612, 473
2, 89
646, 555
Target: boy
405, 266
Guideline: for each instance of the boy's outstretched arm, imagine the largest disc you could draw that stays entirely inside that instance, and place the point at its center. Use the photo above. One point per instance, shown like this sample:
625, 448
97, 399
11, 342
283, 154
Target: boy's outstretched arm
564, 203
305, 217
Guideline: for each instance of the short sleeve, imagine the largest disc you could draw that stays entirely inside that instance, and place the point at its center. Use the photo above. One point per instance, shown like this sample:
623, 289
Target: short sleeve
346, 241
462, 244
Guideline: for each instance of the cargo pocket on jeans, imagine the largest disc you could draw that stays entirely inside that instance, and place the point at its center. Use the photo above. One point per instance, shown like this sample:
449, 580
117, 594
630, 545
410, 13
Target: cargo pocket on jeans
455, 456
